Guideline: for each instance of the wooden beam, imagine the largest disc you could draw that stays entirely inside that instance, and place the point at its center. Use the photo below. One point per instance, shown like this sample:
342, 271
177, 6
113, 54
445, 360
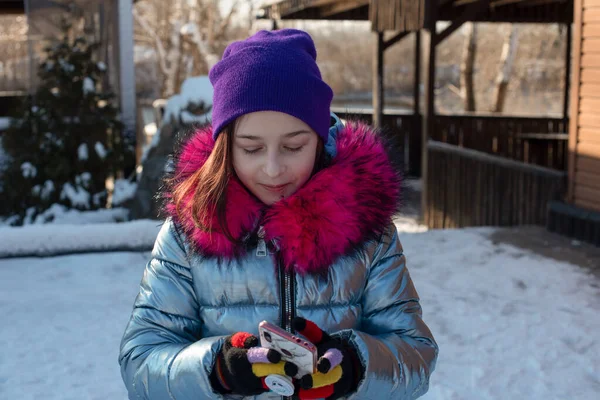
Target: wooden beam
567, 72
469, 14
575, 87
429, 41
378, 80
417, 73
414, 141
393, 40
341, 6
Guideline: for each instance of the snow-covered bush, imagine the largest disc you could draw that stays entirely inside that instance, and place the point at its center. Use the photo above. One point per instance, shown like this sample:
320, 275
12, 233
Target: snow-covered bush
66, 139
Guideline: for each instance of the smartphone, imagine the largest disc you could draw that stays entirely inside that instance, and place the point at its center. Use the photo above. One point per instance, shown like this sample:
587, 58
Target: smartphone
293, 348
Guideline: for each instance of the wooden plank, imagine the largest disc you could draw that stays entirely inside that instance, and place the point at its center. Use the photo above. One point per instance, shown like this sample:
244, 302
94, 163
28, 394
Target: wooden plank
589, 135
587, 193
590, 45
587, 164
588, 149
579, 31
589, 104
590, 205
590, 60
589, 120
589, 89
591, 15
591, 3
588, 179
588, 31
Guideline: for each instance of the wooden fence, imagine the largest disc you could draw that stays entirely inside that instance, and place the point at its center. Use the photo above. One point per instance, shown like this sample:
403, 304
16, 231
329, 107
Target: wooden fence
532, 140
470, 188
541, 141
405, 125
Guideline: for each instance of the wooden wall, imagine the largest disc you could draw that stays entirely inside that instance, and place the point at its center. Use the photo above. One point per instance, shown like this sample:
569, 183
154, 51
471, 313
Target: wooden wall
584, 130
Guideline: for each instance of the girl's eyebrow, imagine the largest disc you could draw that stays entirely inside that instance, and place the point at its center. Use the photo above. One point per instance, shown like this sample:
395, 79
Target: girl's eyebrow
287, 135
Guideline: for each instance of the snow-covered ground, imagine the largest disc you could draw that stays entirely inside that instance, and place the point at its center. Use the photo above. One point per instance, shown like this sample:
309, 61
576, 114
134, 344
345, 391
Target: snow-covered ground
510, 324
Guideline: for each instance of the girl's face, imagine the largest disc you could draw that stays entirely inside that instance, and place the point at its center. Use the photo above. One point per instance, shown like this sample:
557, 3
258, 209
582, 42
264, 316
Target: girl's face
273, 154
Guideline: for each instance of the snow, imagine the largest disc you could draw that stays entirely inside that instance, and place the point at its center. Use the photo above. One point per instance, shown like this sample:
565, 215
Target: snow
67, 234
82, 152
123, 191
510, 324
4, 123
28, 170
101, 66
150, 129
47, 190
153, 143
88, 85
67, 67
100, 150
193, 90
78, 196
3, 157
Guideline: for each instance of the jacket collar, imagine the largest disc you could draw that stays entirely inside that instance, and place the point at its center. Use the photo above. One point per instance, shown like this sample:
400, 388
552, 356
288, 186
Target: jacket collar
338, 209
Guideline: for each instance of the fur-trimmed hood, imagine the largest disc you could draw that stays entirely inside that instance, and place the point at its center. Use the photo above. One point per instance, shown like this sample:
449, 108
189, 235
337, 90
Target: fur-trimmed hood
350, 201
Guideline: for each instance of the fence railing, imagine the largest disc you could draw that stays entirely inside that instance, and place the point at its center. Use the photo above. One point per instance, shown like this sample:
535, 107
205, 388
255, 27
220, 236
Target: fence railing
471, 188
533, 140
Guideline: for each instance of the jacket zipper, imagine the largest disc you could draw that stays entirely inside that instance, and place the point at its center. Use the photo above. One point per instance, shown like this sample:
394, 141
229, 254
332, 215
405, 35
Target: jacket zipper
288, 303
287, 288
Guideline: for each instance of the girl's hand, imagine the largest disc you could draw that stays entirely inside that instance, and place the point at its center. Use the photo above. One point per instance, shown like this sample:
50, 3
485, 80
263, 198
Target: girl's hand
338, 367
241, 366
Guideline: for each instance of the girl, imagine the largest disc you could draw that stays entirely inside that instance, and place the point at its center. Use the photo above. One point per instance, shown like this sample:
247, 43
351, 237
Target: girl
277, 212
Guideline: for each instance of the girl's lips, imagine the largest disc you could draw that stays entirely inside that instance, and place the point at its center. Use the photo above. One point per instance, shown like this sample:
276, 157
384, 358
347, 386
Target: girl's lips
275, 189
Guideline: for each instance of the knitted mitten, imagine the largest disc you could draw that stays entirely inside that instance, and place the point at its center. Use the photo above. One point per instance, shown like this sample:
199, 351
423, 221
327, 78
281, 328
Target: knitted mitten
241, 366
338, 368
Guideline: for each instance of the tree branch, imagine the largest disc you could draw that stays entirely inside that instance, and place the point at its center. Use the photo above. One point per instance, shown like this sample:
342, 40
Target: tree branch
158, 43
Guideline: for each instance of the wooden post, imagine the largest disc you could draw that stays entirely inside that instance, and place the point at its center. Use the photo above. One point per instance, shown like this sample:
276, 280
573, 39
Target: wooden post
415, 141
567, 73
378, 80
429, 41
574, 103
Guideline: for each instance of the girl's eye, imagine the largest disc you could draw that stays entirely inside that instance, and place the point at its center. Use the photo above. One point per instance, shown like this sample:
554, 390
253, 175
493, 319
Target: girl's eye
251, 151
294, 149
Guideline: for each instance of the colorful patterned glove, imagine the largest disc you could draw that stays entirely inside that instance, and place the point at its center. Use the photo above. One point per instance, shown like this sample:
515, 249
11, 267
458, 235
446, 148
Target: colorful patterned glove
241, 366
338, 368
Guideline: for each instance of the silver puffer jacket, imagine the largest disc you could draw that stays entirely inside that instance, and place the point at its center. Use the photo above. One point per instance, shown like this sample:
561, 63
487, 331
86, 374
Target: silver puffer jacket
332, 256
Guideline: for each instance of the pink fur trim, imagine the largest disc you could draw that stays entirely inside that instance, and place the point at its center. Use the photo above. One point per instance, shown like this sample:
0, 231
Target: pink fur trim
335, 212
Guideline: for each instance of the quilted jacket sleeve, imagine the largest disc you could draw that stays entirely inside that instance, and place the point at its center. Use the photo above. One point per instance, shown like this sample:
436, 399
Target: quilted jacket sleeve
162, 355
396, 347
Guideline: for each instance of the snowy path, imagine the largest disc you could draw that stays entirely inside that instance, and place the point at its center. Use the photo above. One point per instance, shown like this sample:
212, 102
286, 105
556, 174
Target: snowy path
510, 325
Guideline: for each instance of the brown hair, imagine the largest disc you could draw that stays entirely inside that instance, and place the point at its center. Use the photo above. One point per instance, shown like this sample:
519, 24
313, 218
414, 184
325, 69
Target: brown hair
208, 185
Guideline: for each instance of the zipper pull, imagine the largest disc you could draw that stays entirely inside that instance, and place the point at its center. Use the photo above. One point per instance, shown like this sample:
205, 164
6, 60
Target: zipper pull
261, 248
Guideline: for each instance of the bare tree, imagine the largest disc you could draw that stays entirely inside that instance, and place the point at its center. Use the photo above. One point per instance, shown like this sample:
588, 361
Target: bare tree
187, 36
467, 90
507, 60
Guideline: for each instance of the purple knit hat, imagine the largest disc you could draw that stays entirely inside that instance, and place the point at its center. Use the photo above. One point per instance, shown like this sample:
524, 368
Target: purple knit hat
271, 71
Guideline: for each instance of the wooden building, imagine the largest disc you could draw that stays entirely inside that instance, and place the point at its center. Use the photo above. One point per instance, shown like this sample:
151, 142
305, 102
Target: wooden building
477, 169
579, 214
